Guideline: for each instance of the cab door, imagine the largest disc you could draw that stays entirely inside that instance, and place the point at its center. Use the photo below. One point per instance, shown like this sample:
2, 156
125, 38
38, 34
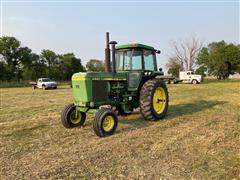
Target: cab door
133, 64
134, 80
188, 77
39, 83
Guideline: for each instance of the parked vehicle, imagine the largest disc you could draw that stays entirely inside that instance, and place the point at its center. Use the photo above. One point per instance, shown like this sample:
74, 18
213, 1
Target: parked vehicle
44, 83
185, 77
190, 77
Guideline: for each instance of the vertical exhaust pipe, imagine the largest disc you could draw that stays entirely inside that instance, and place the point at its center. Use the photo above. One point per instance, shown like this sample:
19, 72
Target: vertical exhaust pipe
107, 54
113, 43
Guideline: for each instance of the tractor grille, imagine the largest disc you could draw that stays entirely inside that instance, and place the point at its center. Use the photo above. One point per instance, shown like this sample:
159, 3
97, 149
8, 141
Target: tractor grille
100, 91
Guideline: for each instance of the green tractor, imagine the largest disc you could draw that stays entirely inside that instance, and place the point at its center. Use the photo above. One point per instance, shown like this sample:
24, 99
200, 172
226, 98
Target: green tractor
131, 80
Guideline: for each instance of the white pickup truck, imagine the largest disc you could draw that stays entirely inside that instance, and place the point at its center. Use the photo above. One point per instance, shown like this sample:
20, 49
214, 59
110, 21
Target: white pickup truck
44, 83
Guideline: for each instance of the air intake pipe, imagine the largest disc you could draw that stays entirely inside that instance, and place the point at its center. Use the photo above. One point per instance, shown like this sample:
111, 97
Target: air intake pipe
113, 43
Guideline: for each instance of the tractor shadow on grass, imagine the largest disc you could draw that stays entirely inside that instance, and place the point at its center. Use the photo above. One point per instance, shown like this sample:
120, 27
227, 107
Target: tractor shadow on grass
190, 108
132, 122
136, 121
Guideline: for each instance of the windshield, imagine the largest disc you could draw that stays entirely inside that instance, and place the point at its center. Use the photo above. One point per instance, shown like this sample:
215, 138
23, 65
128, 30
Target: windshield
46, 80
132, 60
129, 60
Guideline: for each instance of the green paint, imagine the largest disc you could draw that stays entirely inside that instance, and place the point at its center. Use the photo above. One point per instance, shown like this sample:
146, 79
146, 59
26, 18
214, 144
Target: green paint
82, 85
82, 90
130, 46
94, 89
98, 76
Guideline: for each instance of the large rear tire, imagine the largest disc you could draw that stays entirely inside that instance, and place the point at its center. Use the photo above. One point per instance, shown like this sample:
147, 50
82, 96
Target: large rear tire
70, 118
154, 100
105, 122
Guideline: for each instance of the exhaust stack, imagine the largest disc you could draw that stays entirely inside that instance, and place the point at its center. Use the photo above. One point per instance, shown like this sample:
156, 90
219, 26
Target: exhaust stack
113, 43
107, 54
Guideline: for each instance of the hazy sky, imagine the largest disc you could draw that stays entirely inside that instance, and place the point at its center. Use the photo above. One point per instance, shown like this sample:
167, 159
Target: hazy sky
80, 27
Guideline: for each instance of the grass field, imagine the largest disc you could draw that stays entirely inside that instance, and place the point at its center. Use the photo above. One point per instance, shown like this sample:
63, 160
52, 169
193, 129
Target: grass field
199, 139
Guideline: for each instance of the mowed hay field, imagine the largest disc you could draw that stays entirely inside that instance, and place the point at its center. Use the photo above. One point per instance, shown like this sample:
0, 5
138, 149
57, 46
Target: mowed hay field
199, 138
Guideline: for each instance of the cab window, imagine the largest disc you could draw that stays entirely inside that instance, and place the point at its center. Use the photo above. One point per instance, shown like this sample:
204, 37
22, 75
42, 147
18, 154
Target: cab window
149, 60
119, 60
136, 60
129, 60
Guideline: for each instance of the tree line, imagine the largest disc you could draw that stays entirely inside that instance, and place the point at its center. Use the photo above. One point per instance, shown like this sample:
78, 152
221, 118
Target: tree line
20, 63
219, 59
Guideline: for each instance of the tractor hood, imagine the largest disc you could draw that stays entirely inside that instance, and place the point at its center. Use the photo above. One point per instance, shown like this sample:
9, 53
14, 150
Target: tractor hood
98, 76
91, 87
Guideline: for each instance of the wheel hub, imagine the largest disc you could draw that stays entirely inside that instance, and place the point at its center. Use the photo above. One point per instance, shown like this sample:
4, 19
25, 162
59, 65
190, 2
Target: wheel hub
75, 117
108, 123
159, 100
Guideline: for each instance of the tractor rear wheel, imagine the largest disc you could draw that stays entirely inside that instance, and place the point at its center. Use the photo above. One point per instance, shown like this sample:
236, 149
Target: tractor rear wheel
105, 122
70, 118
154, 100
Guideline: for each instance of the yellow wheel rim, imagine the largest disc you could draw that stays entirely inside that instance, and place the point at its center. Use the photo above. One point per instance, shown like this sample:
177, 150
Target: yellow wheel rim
108, 123
159, 100
75, 118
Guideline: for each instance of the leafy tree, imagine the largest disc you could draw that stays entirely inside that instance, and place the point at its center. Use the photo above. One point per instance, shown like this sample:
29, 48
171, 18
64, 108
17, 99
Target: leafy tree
95, 65
10, 51
17, 63
51, 59
220, 58
36, 69
25, 56
201, 71
69, 65
3, 71
174, 66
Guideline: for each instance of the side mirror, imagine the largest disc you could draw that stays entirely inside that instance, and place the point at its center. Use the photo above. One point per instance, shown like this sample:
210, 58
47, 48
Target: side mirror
160, 69
158, 51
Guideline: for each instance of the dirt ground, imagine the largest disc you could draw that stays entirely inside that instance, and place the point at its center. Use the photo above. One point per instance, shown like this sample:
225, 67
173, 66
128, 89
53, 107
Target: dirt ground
199, 138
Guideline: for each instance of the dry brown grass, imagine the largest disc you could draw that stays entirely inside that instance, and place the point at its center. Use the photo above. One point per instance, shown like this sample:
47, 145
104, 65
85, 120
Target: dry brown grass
199, 139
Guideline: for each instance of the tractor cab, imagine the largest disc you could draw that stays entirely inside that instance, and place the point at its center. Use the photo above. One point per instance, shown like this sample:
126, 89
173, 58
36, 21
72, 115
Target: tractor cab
138, 61
135, 57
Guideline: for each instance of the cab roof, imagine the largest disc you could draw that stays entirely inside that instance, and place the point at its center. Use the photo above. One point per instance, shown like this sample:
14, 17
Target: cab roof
136, 45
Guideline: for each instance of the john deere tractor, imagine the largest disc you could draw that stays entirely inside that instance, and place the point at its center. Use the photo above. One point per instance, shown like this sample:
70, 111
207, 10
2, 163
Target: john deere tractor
130, 81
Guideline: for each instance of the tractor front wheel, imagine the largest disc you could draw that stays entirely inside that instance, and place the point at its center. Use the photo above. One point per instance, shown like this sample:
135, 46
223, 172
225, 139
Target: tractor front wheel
154, 100
105, 122
71, 118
